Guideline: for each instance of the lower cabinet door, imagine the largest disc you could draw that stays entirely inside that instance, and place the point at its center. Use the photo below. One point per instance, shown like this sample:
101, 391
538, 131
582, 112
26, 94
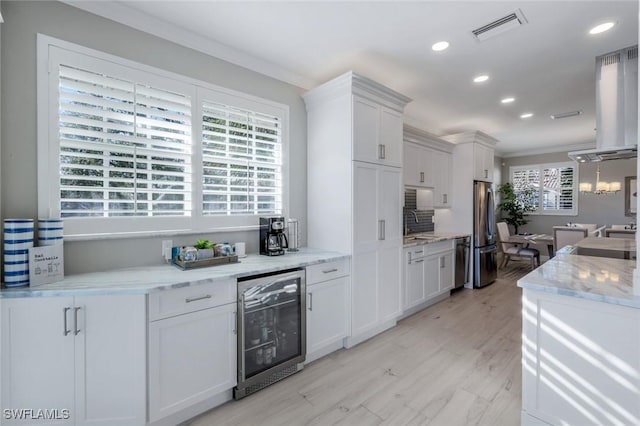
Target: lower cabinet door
191, 358
110, 356
37, 367
431, 276
413, 283
446, 271
327, 311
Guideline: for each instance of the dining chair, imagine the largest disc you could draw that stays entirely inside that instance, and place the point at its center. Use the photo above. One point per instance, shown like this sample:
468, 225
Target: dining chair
567, 235
515, 250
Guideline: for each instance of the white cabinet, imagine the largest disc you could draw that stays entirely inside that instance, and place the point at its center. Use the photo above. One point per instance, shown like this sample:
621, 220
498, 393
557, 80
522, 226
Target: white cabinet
377, 250
86, 355
580, 361
355, 196
483, 163
442, 179
428, 164
327, 307
428, 275
192, 347
418, 166
375, 133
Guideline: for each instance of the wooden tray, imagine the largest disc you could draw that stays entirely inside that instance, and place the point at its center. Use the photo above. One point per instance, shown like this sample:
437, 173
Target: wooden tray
214, 261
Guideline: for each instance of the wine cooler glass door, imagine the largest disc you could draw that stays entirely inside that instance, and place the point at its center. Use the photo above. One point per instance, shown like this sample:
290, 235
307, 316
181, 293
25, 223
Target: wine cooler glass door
272, 323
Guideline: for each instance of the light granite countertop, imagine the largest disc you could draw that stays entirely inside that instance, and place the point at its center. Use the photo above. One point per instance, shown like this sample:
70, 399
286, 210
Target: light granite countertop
599, 279
422, 238
149, 279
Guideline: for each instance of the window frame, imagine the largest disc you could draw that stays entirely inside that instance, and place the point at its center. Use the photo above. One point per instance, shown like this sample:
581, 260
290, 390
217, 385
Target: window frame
50, 49
540, 167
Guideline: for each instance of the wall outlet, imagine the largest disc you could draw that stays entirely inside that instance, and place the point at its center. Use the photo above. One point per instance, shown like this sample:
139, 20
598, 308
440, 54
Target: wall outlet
166, 249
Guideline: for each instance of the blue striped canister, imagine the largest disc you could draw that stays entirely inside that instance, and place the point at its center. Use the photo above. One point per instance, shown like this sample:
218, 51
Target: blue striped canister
18, 238
50, 232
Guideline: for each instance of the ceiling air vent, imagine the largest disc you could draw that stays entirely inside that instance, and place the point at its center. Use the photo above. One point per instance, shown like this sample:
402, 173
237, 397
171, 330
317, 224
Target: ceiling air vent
566, 115
499, 26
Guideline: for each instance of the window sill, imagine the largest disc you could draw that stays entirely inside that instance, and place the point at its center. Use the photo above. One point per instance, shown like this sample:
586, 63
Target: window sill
156, 234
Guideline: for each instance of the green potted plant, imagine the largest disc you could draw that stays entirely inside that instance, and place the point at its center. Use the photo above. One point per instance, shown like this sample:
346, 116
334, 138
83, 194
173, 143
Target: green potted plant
516, 205
205, 249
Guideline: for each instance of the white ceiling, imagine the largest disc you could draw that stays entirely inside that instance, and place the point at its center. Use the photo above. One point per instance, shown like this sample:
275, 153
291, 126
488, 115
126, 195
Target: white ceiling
547, 65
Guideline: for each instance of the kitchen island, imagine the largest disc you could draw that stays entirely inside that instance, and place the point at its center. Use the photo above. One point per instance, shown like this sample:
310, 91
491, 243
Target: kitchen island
581, 342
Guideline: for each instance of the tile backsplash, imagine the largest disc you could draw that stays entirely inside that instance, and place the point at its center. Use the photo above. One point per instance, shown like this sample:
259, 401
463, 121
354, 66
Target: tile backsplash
414, 220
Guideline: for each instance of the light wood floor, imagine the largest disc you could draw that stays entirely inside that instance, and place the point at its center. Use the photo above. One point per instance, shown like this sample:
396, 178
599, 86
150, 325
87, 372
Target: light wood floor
454, 363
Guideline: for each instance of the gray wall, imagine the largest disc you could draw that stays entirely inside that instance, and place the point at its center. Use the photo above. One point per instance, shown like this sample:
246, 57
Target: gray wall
23, 20
599, 209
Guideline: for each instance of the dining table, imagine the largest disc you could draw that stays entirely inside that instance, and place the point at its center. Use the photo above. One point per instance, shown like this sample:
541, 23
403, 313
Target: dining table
526, 239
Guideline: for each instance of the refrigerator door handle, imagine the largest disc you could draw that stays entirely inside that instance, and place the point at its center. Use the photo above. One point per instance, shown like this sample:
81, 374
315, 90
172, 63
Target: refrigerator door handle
490, 215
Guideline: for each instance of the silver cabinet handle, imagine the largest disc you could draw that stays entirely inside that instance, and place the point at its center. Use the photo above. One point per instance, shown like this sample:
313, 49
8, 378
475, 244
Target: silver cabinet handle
381, 229
442, 262
444, 198
486, 173
418, 261
75, 321
195, 299
418, 252
421, 177
235, 323
328, 271
380, 154
384, 151
310, 301
66, 330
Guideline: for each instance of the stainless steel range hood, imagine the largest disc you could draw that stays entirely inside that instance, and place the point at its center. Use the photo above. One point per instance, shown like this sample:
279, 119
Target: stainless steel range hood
616, 107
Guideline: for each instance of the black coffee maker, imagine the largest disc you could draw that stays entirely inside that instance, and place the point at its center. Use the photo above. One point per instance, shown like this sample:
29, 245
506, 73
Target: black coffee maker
273, 240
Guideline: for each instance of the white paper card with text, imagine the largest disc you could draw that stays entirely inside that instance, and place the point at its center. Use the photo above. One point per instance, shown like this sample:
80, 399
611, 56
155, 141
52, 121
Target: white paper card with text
46, 265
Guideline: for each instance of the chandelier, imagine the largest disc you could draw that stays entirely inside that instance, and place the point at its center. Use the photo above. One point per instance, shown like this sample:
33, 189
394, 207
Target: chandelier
601, 187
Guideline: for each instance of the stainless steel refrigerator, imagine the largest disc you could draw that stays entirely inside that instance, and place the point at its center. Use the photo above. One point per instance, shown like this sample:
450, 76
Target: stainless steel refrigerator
485, 263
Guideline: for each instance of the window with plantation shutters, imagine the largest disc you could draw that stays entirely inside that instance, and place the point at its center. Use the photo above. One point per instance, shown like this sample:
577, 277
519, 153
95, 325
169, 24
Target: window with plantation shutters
553, 185
242, 161
127, 148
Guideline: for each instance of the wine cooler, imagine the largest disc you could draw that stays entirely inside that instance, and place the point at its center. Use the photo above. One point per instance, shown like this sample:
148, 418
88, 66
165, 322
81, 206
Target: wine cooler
271, 329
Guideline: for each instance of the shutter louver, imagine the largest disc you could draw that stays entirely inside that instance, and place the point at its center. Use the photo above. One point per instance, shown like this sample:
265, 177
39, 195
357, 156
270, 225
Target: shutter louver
242, 161
125, 148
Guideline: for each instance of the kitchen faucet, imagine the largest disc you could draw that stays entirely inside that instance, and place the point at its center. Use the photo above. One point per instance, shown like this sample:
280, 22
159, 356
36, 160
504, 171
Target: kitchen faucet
406, 225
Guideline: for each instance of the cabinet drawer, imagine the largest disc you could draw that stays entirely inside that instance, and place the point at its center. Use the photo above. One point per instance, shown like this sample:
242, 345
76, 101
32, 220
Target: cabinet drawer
168, 303
327, 271
438, 247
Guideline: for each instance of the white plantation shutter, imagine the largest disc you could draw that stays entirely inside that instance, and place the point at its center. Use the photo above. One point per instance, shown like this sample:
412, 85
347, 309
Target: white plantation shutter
125, 147
558, 188
556, 182
128, 148
242, 161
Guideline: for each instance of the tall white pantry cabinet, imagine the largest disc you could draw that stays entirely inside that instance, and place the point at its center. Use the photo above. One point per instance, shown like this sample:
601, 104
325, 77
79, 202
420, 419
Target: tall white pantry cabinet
355, 192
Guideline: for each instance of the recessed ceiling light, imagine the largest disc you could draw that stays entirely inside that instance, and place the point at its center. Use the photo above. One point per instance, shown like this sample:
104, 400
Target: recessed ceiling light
602, 28
481, 78
527, 115
507, 100
439, 46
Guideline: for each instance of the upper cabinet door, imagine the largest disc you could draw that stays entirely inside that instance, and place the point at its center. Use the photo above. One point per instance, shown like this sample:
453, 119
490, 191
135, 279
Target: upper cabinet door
418, 166
366, 124
391, 137
442, 179
483, 157
377, 133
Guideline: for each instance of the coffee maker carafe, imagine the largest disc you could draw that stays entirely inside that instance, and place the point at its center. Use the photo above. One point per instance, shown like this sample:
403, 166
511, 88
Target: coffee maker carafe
273, 240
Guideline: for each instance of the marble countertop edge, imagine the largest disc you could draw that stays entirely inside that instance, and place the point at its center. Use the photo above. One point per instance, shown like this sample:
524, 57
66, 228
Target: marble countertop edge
593, 278
145, 280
